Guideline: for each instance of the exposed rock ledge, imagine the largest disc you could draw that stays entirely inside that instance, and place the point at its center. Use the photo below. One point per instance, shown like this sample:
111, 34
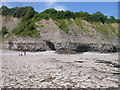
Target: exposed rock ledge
62, 48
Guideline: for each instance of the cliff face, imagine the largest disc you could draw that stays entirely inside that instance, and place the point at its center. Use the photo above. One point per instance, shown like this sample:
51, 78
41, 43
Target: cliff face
86, 33
9, 22
80, 36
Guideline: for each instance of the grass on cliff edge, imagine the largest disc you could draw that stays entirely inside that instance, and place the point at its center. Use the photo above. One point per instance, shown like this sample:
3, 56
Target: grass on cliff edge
106, 29
62, 25
26, 28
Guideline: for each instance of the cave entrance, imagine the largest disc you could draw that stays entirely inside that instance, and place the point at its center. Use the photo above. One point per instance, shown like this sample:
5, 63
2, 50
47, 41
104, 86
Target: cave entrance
50, 45
10, 45
82, 48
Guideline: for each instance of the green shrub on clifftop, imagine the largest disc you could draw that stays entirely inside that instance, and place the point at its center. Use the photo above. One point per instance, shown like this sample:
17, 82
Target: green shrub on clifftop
63, 25
3, 31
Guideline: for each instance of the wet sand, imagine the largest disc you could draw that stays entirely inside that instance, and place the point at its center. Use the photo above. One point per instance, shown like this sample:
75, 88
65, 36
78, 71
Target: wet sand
52, 70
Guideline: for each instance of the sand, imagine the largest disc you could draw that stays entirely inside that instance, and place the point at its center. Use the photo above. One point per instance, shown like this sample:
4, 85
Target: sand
52, 70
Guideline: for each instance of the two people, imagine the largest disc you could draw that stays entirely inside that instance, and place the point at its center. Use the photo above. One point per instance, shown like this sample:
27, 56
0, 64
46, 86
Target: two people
24, 53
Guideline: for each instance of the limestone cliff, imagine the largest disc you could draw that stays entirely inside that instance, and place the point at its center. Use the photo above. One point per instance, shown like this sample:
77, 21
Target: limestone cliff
81, 36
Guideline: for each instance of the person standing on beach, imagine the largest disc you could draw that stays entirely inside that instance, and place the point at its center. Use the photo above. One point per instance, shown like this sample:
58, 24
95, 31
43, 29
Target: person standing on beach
24, 53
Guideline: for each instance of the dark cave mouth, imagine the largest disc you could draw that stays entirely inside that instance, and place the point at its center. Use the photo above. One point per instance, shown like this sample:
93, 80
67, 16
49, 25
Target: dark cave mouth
50, 45
82, 48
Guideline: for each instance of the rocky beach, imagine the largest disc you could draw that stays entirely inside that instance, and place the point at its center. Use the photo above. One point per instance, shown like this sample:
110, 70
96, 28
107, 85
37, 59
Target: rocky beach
51, 70
53, 48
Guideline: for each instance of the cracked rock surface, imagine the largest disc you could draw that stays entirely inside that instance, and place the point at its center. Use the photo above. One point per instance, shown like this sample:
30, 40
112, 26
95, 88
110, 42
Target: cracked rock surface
60, 71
